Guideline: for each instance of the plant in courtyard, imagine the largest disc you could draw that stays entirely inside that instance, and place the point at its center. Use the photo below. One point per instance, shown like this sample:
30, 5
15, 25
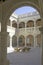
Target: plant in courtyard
25, 49
17, 49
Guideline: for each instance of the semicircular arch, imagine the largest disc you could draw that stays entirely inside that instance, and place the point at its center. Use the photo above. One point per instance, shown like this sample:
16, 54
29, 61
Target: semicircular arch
21, 40
20, 4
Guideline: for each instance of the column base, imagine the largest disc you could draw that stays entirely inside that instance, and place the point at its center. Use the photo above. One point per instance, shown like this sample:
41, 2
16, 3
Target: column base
6, 62
10, 49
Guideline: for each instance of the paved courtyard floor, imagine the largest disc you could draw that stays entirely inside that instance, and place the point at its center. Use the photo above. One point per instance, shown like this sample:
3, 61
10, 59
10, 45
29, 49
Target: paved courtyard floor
33, 57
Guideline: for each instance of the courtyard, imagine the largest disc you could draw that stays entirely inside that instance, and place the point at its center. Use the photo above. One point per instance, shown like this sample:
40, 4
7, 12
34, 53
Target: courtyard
33, 57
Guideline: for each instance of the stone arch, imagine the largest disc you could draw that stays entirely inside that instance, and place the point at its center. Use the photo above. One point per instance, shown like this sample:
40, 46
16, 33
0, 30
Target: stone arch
39, 39
30, 23
21, 25
21, 40
30, 40
13, 7
14, 24
14, 41
38, 22
9, 7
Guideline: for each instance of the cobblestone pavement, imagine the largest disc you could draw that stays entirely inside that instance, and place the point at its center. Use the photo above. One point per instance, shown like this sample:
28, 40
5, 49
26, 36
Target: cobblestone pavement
33, 57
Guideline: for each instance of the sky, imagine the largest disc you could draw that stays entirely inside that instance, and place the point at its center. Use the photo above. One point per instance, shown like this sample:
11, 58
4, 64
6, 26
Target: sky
24, 9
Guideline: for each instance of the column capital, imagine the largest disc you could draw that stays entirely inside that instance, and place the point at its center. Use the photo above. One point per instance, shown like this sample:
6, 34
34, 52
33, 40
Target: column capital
41, 29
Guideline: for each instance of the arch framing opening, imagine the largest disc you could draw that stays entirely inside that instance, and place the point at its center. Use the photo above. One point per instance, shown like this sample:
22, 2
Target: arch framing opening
20, 4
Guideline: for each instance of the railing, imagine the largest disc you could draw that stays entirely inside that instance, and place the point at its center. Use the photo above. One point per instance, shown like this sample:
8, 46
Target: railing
21, 29
29, 29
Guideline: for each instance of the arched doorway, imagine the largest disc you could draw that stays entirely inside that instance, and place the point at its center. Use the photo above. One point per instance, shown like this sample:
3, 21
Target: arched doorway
21, 40
18, 4
39, 40
30, 40
14, 41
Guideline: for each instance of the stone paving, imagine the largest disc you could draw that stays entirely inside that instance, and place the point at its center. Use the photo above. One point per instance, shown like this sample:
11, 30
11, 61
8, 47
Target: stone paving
33, 57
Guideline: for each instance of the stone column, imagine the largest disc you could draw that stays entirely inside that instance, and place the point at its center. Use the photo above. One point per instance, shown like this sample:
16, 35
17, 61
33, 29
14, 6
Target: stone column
35, 41
41, 29
25, 35
17, 32
10, 35
10, 41
3, 44
10, 48
3, 49
25, 41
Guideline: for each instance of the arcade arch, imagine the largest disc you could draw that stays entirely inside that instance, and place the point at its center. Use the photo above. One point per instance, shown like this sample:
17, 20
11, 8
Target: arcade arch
21, 40
30, 40
14, 41
14, 25
22, 25
38, 22
30, 23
